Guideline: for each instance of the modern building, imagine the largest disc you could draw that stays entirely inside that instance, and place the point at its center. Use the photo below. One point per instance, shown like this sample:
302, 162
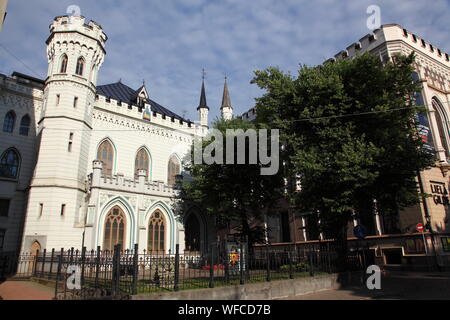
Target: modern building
399, 242
92, 165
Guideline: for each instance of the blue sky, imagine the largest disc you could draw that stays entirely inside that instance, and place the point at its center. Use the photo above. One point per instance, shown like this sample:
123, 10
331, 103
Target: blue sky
168, 42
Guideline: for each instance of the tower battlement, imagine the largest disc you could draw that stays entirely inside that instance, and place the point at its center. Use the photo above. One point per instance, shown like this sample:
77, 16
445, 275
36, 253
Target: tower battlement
63, 24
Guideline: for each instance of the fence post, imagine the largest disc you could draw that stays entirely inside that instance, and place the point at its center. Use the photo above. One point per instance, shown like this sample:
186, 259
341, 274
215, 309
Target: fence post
35, 263
51, 264
311, 264
83, 262
58, 273
267, 263
226, 260
43, 262
241, 263
97, 267
135, 268
246, 259
116, 270
211, 266
291, 274
177, 268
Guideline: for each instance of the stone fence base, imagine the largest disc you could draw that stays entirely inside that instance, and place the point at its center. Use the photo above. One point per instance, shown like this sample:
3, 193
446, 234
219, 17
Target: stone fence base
263, 290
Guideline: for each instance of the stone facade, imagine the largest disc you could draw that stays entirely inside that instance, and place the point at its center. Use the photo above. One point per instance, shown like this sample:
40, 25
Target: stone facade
64, 194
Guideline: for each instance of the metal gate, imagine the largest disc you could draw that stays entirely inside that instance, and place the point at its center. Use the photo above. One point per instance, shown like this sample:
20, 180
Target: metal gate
96, 274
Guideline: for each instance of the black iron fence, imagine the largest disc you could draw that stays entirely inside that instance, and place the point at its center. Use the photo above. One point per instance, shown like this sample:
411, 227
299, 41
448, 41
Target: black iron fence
117, 274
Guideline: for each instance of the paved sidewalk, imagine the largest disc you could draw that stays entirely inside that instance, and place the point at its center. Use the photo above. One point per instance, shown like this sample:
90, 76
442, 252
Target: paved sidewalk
25, 290
395, 286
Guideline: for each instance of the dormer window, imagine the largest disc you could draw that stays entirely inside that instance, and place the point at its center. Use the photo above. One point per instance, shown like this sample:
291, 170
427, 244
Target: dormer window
423, 43
80, 66
141, 96
414, 38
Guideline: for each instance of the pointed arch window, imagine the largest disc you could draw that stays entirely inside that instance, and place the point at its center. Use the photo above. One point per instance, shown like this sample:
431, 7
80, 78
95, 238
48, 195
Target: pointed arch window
25, 125
115, 224
64, 62
80, 66
156, 233
142, 161
9, 164
442, 124
8, 123
105, 153
173, 170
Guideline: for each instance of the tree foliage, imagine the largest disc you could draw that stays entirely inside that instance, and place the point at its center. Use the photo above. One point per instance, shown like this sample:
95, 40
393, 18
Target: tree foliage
236, 195
350, 136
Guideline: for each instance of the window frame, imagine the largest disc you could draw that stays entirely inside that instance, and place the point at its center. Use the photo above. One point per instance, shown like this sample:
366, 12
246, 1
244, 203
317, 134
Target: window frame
106, 170
64, 63
137, 166
79, 70
159, 221
23, 127
9, 122
177, 168
442, 124
19, 162
111, 217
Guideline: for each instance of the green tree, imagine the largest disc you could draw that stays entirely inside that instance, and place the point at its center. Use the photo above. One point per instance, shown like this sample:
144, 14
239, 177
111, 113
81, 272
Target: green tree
236, 195
350, 136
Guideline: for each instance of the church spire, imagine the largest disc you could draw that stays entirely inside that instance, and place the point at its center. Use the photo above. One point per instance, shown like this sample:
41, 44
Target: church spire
203, 103
226, 108
203, 108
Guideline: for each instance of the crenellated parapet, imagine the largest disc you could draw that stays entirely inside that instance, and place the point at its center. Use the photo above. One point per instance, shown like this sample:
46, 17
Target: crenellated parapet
137, 184
390, 39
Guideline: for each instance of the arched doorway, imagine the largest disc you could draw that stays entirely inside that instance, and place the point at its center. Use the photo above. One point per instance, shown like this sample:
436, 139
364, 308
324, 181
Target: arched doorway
115, 224
34, 251
192, 234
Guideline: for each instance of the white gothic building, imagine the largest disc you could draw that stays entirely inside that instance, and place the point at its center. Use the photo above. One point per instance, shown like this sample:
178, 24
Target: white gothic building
92, 165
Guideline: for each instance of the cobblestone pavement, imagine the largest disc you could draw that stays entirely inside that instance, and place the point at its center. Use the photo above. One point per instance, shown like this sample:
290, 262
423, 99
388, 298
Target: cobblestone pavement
394, 286
25, 290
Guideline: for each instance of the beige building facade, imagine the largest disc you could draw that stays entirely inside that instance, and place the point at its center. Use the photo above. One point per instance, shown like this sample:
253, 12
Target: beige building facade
405, 246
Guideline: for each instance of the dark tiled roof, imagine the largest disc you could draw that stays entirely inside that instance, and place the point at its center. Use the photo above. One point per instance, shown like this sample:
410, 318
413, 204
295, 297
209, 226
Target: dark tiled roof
124, 93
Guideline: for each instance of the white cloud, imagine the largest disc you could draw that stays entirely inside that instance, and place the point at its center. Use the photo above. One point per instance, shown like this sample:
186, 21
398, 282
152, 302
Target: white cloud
167, 43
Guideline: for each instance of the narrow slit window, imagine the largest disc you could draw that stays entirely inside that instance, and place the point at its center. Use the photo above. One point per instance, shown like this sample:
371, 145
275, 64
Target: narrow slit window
63, 209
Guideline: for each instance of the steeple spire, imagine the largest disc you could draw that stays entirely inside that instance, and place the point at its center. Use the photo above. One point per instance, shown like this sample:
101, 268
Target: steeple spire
203, 108
226, 108
226, 101
203, 103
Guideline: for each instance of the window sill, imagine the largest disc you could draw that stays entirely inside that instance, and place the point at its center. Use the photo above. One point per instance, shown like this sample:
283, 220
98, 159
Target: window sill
9, 179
